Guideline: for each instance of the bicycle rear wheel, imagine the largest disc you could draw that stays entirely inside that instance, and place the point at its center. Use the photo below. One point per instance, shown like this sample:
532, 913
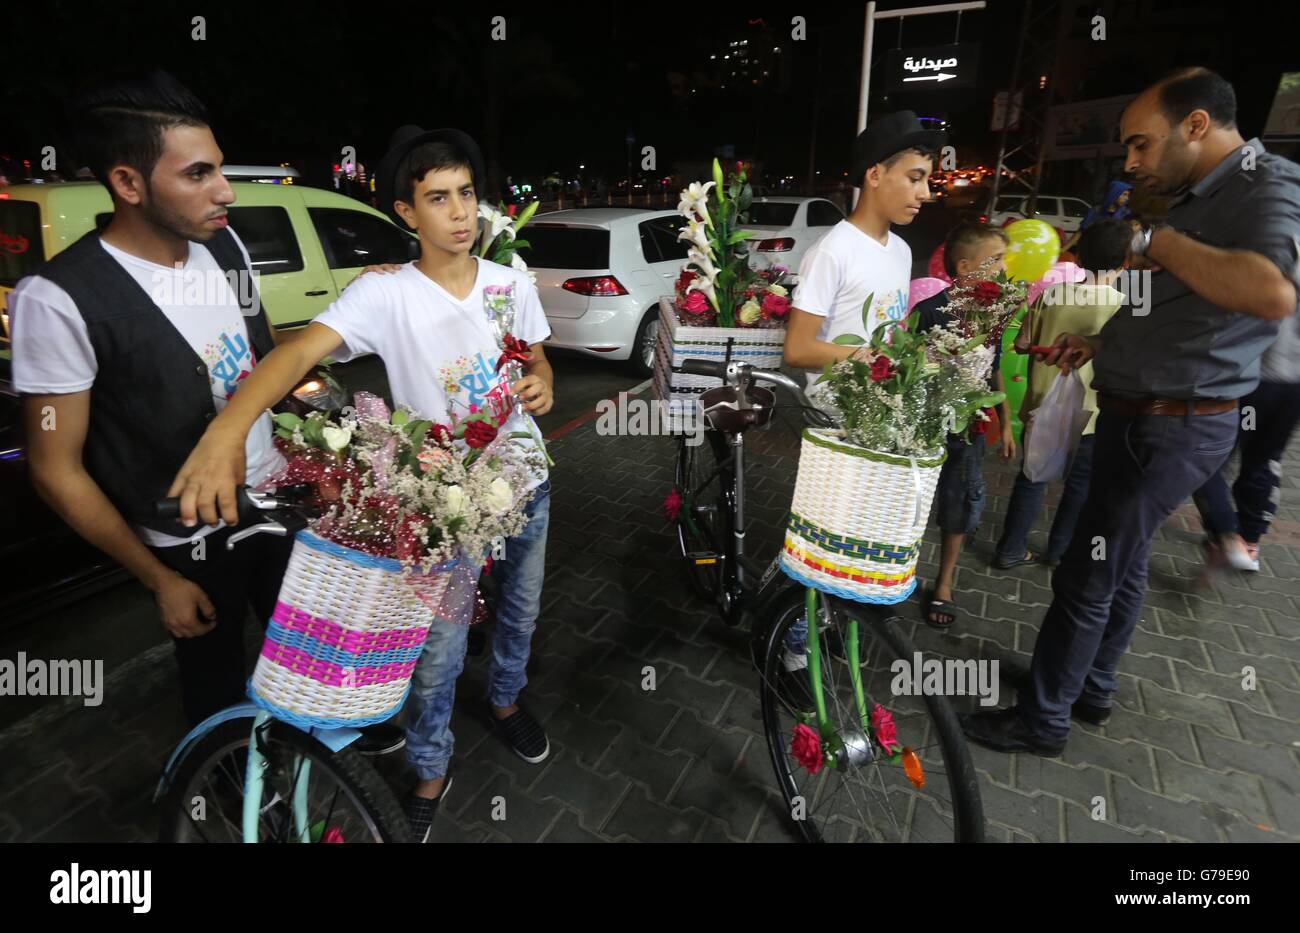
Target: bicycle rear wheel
865, 797
702, 522
346, 800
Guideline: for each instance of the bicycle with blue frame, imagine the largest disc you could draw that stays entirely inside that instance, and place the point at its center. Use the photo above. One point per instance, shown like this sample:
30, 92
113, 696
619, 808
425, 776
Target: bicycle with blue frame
243, 775
920, 787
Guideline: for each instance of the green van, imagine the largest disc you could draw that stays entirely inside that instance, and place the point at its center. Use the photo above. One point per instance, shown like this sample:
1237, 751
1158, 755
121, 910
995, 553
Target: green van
305, 243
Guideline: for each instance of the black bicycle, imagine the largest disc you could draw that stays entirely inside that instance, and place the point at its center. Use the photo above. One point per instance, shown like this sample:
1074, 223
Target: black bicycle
855, 760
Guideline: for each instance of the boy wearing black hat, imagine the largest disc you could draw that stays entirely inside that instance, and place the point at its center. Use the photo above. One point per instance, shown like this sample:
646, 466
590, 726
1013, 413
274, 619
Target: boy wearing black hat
427, 323
860, 259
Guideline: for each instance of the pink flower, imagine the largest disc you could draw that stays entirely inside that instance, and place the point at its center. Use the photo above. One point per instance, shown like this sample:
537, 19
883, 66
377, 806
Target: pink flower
806, 746
776, 305
882, 726
673, 504
333, 834
696, 303
434, 458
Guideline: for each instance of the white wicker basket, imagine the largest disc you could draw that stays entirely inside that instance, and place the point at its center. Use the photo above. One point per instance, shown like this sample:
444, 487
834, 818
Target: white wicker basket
857, 518
347, 632
680, 392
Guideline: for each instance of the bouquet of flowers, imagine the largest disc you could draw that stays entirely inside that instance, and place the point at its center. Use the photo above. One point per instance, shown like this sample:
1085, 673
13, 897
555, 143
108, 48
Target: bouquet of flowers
904, 392
501, 242
718, 288
988, 305
499, 305
397, 486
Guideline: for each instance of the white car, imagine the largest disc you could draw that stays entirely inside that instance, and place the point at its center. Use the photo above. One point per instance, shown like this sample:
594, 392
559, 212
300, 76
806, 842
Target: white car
784, 228
600, 275
1065, 214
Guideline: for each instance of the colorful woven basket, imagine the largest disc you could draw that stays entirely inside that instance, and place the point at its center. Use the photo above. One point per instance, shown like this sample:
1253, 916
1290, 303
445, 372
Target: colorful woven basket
761, 346
347, 631
857, 519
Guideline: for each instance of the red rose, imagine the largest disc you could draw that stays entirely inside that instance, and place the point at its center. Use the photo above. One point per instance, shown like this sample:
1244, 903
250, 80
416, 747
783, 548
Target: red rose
439, 433
696, 303
776, 305
986, 293
480, 433
882, 368
685, 279
806, 747
882, 724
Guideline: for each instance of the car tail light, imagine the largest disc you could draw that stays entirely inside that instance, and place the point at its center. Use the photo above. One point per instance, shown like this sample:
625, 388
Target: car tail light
595, 286
779, 245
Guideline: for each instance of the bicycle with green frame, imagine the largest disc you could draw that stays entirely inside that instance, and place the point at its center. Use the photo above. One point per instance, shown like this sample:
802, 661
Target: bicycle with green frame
855, 759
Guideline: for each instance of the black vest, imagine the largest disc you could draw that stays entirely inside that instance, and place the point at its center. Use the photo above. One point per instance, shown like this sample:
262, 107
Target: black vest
152, 397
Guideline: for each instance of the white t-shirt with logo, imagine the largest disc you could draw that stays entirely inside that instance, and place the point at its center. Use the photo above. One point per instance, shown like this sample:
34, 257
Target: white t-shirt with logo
841, 270
438, 350
52, 353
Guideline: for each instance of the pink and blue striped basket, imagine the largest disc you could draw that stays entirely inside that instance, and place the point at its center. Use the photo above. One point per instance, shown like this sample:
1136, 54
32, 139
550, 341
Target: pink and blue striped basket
347, 631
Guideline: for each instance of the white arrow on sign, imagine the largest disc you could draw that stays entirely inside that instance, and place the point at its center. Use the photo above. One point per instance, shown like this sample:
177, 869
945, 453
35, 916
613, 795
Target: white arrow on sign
941, 76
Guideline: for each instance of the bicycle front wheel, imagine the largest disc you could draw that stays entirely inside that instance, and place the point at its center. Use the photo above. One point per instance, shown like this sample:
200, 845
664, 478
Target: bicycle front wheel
309, 793
859, 794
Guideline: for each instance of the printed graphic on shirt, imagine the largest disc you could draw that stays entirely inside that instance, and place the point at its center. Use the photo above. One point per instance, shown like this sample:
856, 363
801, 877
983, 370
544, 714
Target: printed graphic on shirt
480, 386
230, 360
890, 306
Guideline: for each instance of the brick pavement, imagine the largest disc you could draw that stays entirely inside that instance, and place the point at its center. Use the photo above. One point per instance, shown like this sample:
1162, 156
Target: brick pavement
1188, 754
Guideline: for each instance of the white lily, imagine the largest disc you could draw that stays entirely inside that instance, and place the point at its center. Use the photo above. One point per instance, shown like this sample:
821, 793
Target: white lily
496, 222
695, 234
695, 201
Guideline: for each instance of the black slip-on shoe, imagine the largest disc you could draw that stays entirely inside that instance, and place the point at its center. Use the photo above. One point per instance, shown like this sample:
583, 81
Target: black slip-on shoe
1004, 731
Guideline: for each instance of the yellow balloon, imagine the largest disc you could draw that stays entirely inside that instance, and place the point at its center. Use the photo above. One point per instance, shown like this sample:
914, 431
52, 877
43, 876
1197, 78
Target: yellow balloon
1032, 249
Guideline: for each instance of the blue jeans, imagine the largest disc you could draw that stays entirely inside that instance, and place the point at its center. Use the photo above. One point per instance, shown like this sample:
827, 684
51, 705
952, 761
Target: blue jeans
1143, 469
518, 575
1027, 501
1253, 501
959, 498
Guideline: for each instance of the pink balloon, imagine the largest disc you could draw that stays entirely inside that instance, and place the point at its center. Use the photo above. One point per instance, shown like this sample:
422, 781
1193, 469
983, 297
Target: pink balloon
1061, 272
936, 269
924, 288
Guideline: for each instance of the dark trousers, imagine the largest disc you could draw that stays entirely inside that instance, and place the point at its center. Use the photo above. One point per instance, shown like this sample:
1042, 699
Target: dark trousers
213, 667
1027, 501
1262, 440
1143, 469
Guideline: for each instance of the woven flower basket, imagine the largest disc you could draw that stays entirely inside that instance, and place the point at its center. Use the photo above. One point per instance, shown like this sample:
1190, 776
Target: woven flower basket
761, 346
857, 519
347, 631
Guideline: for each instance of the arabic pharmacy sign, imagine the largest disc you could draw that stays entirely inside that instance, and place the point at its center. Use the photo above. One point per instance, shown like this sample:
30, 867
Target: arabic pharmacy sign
936, 66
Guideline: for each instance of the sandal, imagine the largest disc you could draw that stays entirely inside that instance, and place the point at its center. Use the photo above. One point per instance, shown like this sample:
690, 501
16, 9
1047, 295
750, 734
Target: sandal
1029, 558
940, 607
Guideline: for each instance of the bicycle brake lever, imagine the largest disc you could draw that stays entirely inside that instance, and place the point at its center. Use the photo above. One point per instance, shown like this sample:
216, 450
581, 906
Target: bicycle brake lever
269, 528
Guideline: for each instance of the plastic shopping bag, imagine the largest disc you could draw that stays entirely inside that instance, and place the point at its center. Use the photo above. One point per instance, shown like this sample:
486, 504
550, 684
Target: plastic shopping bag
1054, 429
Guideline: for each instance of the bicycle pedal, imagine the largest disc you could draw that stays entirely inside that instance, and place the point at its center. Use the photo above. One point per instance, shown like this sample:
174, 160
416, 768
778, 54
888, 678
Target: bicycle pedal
702, 558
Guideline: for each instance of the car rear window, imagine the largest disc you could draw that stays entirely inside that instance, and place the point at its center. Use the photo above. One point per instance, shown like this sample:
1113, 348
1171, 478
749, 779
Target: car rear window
772, 215
553, 246
21, 249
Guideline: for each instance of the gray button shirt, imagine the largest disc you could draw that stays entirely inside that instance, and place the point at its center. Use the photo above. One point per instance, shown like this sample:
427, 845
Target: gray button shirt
1186, 347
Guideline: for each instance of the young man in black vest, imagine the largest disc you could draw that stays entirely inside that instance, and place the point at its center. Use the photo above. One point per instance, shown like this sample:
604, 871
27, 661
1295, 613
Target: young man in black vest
126, 345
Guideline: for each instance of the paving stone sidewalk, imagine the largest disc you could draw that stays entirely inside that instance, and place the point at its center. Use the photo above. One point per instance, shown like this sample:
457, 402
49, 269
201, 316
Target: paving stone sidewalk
1188, 755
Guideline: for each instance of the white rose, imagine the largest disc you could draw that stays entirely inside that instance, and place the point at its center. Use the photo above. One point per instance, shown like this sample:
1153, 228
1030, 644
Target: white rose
336, 438
778, 290
750, 312
455, 501
499, 496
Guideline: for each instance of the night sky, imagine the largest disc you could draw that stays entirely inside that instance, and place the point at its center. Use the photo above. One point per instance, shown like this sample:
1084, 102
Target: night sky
296, 83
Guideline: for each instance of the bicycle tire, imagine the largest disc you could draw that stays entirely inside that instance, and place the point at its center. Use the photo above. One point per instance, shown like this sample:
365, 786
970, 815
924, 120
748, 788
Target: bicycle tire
351, 771
963, 796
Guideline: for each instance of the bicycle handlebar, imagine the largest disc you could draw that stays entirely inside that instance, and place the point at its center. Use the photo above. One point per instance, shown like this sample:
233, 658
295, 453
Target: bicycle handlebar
283, 511
741, 374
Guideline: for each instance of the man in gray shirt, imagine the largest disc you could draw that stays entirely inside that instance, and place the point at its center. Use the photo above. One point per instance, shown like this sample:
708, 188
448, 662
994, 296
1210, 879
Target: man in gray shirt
1169, 374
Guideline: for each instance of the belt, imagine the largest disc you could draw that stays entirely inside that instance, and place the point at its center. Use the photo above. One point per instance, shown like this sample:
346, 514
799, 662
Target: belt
1132, 408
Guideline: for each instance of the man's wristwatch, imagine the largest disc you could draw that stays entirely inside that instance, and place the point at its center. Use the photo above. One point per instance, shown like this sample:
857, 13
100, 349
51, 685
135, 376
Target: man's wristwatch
1141, 241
